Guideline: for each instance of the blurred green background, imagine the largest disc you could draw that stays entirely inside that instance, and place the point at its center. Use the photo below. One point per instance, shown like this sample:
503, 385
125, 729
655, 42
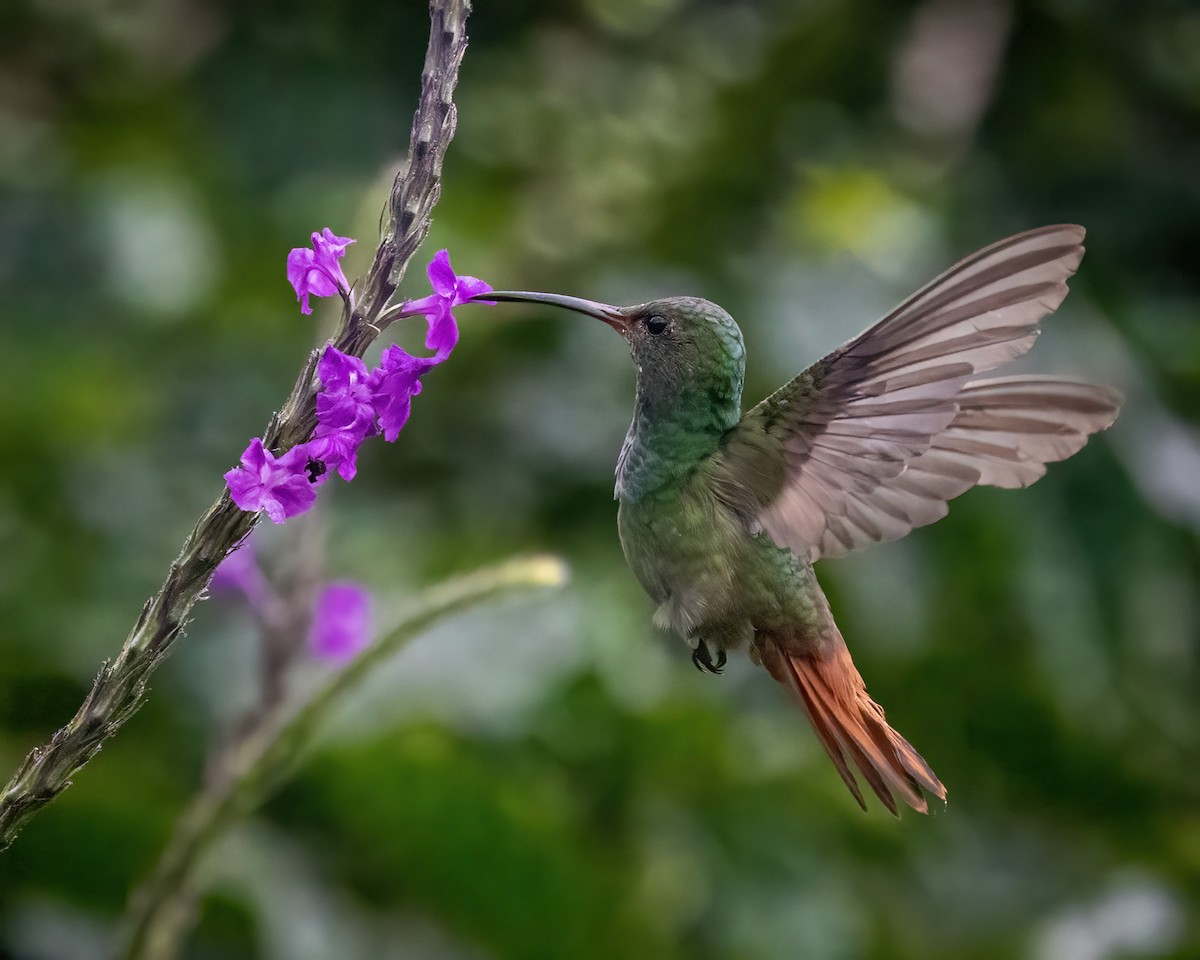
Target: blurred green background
549, 777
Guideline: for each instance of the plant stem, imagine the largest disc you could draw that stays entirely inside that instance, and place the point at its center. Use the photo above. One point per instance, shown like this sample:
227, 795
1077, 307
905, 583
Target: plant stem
120, 686
161, 910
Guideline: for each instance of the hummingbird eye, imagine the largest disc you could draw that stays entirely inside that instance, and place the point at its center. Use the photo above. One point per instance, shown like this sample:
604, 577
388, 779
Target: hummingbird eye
656, 325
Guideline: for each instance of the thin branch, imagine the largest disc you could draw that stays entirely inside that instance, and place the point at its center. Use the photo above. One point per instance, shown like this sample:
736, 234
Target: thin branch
284, 625
120, 687
161, 910
283, 615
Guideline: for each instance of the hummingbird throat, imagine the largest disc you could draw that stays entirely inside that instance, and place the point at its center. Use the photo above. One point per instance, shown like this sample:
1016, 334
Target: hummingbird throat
677, 422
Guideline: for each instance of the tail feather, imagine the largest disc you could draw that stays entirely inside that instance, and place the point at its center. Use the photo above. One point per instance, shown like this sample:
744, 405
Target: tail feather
852, 727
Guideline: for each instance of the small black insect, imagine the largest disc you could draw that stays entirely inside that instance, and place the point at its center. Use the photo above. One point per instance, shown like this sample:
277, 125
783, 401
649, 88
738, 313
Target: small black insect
315, 469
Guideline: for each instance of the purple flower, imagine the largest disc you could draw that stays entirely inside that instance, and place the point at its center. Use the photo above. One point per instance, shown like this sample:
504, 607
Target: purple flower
352, 403
397, 379
282, 486
449, 290
345, 399
393, 384
316, 272
334, 450
240, 573
341, 622
345, 412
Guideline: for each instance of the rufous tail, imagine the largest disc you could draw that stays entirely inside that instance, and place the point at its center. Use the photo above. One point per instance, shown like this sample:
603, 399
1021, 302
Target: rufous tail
851, 725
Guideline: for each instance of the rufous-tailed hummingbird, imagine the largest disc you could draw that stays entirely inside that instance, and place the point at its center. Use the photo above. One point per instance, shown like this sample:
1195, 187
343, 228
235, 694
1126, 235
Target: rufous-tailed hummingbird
722, 514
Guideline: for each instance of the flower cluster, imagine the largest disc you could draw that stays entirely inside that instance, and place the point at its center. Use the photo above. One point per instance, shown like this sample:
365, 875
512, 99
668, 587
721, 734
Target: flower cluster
354, 403
340, 621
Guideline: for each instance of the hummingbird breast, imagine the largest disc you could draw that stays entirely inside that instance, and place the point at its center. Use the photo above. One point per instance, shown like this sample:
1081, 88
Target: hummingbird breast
711, 577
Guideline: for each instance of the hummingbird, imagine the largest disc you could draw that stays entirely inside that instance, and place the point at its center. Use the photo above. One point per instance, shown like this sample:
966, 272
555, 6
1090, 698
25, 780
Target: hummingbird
722, 514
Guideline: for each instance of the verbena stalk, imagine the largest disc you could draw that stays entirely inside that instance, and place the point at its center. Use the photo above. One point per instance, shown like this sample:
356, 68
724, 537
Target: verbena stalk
120, 686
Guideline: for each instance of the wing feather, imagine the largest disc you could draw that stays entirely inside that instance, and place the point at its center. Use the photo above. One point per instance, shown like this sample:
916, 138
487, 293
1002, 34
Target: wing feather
1006, 431
872, 441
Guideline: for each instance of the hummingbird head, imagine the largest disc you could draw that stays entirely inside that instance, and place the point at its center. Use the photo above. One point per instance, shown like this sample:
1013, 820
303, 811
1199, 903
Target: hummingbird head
690, 363
672, 341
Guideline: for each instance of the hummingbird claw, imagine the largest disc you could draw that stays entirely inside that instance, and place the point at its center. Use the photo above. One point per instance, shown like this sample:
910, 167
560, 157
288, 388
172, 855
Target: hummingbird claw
702, 659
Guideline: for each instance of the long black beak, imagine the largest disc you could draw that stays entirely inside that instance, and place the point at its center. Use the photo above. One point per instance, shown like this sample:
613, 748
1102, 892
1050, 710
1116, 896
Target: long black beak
615, 317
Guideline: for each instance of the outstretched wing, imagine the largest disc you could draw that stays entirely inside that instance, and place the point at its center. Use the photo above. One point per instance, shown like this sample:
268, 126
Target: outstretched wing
1005, 432
871, 441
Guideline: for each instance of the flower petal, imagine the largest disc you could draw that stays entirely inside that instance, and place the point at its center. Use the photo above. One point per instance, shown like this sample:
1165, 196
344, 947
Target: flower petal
442, 335
469, 287
338, 370
326, 243
280, 486
316, 272
393, 385
441, 276
255, 457
338, 449
339, 411
289, 498
425, 305
244, 489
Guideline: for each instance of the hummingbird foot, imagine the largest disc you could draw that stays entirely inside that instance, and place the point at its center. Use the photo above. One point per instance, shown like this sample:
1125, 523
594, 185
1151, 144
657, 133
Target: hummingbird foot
702, 659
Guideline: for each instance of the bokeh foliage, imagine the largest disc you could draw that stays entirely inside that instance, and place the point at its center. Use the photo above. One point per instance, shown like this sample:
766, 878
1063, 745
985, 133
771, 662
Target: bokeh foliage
553, 779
